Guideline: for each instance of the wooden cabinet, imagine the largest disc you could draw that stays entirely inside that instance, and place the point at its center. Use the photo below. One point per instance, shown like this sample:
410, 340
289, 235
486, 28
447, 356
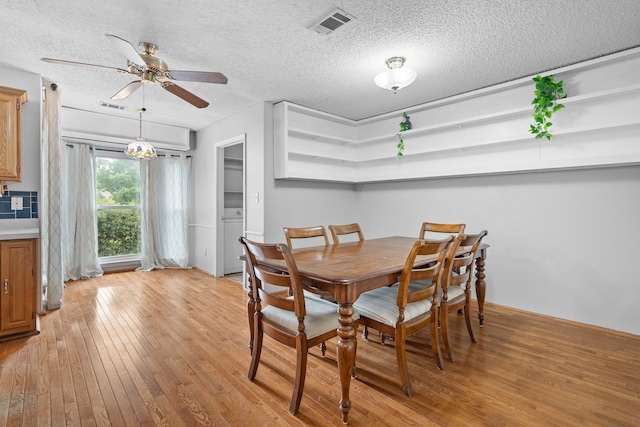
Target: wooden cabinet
18, 294
11, 101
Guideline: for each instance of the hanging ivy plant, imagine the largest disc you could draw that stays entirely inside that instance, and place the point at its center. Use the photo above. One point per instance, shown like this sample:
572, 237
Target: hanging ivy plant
405, 125
547, 92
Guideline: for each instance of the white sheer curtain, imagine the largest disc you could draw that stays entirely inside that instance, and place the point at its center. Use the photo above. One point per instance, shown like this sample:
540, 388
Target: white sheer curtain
51, 166
80, 226
164, 191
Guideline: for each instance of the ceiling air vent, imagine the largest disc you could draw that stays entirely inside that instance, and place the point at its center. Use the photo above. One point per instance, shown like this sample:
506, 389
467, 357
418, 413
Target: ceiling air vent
335, 20
110, 105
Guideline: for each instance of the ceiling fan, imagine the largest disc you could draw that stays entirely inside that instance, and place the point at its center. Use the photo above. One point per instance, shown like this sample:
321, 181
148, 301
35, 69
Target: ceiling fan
151, 69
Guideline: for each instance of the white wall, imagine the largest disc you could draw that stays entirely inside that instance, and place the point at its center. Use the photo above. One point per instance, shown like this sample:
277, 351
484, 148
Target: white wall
562, 243
203, 222
303, 204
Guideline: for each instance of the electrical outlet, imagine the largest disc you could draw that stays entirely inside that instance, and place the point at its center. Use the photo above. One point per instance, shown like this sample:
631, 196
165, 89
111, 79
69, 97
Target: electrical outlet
16, 203
205, 251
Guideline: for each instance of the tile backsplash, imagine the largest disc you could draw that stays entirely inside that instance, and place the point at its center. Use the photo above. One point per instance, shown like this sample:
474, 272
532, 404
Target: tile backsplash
29, 205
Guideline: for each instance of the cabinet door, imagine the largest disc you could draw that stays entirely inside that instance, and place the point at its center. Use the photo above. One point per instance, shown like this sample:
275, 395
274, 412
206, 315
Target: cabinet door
11, 101
17, 286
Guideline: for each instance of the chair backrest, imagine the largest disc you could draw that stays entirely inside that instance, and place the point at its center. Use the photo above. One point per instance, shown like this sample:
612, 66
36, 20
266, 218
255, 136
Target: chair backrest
316, 235
431, 227
463, 262
353, 232
472, 241
430, 272
283, 284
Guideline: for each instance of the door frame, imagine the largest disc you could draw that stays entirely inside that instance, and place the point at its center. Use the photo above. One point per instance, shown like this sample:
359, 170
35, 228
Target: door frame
219, 197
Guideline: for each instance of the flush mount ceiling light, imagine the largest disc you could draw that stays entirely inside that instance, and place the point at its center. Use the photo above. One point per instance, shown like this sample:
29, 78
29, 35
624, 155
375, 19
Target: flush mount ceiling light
396, 77
140, 148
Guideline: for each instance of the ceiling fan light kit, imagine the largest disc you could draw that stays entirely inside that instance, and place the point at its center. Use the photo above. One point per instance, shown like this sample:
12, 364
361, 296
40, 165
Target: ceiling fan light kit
151, 69
396, 77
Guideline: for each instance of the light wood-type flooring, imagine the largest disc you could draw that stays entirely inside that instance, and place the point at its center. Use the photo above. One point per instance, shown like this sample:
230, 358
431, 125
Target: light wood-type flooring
170, 348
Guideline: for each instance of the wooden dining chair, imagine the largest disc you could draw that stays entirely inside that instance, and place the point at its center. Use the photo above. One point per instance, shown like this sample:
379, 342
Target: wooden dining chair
400, 311
351, 232
456, 287
429, 230
297, 322
316, 235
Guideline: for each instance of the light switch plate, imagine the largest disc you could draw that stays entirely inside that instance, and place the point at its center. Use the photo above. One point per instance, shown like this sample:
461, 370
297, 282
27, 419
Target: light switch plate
16, 203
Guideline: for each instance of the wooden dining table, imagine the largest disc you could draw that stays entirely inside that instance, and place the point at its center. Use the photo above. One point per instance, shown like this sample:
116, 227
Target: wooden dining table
346, 270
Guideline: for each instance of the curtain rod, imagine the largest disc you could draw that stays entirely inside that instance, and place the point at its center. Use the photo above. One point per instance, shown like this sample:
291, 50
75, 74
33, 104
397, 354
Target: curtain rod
121, 151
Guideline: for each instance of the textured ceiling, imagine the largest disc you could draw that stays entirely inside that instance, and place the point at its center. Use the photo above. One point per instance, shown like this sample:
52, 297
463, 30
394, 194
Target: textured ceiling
268, 53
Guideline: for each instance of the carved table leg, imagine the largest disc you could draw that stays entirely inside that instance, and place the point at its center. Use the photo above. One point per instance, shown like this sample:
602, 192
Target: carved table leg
480, 287
346, 354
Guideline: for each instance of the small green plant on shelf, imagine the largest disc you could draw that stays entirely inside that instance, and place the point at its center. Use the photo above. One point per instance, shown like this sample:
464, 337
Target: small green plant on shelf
546, 94
405, 125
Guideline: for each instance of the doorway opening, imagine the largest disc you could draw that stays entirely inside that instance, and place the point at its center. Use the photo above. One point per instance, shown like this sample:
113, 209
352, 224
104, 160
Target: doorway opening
230, 208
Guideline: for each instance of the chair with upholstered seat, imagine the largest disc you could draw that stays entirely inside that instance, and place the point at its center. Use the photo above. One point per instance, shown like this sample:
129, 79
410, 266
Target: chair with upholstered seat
456, 287
349, 233
314, 236
431, 230
295, 321
400, 311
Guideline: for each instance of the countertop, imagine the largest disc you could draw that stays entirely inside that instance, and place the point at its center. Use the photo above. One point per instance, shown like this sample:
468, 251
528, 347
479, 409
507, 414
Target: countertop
19, 233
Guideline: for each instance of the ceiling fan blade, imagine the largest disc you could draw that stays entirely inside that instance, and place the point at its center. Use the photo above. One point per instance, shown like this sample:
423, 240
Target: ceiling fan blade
198, 76
126, 49
185, 94
127, 90
81, 64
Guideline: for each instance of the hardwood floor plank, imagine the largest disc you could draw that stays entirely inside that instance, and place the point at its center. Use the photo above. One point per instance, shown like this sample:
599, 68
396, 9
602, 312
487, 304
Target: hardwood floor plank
43, 403
56, 395
141, 380
92, 370
149, 360
76, 383
9, 361
169, 348
29, 408
17, 391
129, 400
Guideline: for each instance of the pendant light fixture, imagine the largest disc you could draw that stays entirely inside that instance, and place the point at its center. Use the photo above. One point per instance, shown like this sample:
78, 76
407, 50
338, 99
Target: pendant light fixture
396, 77
140, 148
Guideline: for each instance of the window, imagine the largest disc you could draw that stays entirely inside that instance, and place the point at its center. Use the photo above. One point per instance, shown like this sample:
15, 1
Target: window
118, 208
